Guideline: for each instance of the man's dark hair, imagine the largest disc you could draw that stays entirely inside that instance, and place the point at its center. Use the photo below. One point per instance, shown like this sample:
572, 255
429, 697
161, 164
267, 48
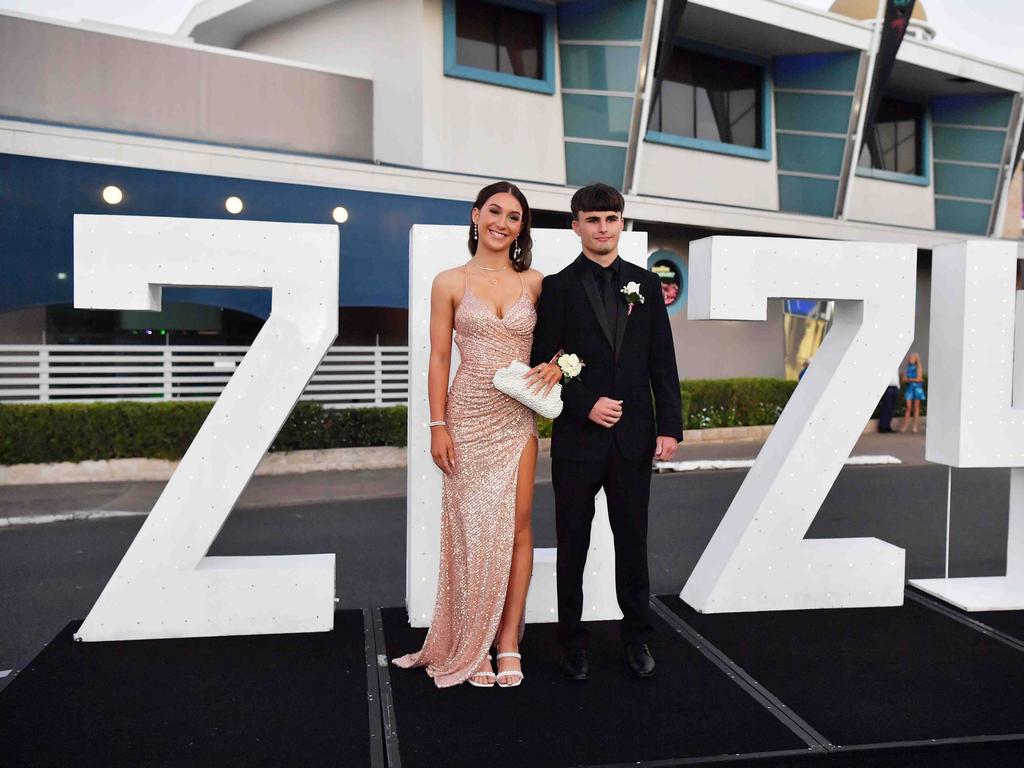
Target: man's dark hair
597, 197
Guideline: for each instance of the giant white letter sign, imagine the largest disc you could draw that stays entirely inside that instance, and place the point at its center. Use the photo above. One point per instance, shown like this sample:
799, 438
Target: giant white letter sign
432, 249
758, 558
976, 396
165, 586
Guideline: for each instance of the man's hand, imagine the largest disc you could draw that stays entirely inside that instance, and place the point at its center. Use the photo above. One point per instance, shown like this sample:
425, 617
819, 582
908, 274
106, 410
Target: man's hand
606, 412
665, 448
543, 377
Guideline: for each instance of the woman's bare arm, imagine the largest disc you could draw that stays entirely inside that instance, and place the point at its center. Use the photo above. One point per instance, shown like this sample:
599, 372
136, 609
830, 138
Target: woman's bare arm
442, 320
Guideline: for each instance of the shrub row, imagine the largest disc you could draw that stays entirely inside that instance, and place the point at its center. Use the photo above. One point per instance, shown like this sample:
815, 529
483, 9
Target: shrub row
710, 403
49, 432
724, 403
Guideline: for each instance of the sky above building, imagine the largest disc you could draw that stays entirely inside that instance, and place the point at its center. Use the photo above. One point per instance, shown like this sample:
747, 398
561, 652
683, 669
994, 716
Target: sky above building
991, 29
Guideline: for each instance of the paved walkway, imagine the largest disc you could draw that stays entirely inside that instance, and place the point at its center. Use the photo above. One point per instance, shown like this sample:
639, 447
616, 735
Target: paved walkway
320, 487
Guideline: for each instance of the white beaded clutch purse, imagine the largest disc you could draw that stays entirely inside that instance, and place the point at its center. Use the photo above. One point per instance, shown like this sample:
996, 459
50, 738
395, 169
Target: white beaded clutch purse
511, 381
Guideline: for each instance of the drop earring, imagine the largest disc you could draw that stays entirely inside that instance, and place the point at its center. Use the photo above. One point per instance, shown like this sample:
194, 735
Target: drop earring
476, 232
515, 257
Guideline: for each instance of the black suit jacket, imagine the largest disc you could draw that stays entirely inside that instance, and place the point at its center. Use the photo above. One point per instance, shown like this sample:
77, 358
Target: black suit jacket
640, 362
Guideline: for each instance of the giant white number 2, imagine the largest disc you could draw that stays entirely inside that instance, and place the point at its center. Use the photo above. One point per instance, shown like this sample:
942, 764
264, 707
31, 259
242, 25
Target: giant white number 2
758, 558
165, 586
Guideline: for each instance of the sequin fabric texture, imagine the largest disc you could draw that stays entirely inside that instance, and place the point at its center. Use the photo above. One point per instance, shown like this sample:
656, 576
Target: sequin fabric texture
490, 431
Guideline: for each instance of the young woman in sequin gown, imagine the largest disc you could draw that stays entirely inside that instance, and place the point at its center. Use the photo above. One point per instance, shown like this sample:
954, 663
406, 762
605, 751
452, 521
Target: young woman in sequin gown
487, 447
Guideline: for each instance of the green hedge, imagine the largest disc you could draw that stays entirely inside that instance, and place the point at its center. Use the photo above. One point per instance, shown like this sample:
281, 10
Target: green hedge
710, 403
48, 432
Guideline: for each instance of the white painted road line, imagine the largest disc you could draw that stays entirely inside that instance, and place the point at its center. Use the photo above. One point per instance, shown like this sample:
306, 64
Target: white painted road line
705, 464
4, 673
93, 514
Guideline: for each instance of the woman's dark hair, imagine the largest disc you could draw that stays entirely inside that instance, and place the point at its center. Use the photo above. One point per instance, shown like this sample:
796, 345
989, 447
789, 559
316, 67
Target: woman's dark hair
524, 240
597, 197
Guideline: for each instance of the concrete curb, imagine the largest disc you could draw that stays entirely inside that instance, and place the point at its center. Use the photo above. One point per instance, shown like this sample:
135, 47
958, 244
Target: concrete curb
293, 462
723, 434
132, 470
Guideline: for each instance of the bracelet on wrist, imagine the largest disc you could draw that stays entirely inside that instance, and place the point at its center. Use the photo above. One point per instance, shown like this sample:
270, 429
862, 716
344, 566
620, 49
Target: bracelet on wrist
441, 423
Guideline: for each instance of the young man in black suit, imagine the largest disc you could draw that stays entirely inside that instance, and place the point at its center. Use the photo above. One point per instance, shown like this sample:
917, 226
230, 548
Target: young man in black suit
609, 430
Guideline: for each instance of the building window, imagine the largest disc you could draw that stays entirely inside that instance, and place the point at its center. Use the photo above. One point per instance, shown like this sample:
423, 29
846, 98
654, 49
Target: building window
507, 42
893, 143
712, 100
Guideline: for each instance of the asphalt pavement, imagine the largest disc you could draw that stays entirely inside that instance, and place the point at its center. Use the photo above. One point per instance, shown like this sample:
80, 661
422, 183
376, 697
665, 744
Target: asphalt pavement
52, 573
21, 501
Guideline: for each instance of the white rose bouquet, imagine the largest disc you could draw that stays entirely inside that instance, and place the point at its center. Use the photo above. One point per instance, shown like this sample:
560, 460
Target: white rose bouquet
571, 366
631, 290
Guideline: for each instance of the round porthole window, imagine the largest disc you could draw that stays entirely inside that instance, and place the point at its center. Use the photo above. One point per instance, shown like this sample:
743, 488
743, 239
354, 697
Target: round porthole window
669, 266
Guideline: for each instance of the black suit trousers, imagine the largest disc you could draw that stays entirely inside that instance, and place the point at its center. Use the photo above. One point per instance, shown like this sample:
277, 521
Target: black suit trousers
627, 485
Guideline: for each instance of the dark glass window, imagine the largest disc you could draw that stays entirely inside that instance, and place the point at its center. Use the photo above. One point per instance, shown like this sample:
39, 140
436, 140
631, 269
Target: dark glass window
499, 39
710, 97
893, 142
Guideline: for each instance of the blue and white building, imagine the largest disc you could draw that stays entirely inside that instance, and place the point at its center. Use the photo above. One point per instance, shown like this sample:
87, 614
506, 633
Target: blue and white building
384, 113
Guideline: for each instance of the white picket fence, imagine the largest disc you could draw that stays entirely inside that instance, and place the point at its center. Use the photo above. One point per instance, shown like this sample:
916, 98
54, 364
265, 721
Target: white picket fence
348, 377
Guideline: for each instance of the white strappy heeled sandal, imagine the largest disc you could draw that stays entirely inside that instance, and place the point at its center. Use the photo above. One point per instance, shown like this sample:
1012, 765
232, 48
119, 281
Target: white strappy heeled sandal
515, 674
487, 675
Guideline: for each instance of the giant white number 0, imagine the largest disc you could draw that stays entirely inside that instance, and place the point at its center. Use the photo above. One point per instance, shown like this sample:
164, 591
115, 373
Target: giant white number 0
165, 586
758, 558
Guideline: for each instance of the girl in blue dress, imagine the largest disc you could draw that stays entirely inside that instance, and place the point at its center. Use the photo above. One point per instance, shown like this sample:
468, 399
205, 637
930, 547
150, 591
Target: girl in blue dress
913, 390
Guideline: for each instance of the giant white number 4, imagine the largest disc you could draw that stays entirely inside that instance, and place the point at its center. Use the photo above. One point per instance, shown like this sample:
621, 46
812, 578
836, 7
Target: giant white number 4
976, 394
166, 586
758, 558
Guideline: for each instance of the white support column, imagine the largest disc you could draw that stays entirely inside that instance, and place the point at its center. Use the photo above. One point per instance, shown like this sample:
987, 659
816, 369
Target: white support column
44, 376
167, 365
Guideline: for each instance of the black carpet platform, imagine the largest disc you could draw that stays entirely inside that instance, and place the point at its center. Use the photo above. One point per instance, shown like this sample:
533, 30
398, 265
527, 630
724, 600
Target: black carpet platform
690, 712
910, 681
1007, 625
920, 686
268, 700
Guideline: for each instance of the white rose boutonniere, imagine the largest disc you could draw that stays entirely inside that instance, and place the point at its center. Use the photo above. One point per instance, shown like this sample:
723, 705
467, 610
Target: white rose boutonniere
631, 290
571, 366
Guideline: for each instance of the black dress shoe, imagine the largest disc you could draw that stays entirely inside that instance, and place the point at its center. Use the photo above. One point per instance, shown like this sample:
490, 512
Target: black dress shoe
574, 664
639, 658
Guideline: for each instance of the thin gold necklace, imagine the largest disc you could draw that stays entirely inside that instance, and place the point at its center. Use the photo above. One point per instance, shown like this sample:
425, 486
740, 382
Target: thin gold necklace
493, 280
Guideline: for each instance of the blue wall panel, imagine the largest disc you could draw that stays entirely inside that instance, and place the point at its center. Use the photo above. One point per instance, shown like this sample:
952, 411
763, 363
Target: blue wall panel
38, 198
807, 195
590, 163
965, 181
960, 216
600, 67
810, 154
982, 123
597, 117
812, 112
825, 71
969, 145
989, 111
799, 107
601, 20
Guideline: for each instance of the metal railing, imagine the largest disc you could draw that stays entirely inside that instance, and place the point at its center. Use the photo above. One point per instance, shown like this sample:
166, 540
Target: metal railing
348, 377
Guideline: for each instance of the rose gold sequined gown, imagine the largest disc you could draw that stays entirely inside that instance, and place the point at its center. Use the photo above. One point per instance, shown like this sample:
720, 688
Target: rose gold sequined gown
490, 431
